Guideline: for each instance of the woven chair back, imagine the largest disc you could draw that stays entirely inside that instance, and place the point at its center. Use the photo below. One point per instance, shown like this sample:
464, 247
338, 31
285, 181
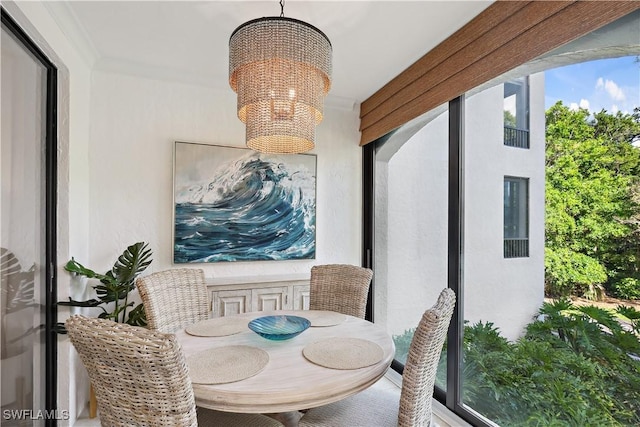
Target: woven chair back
340, 287
174, 299
420, 369
139, 376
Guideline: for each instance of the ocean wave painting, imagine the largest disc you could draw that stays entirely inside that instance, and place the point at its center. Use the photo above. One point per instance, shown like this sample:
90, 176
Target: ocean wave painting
234, 204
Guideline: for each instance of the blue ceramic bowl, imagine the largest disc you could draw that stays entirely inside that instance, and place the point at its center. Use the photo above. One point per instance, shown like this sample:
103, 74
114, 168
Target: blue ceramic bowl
279, 328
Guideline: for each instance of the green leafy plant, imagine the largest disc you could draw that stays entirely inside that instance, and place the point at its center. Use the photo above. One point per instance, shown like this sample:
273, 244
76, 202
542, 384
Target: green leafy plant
575, 366
632, 315
627, 288
402, 343
112, 292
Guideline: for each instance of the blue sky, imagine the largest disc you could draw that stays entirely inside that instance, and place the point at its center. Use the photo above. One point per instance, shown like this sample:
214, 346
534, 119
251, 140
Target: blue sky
610, 84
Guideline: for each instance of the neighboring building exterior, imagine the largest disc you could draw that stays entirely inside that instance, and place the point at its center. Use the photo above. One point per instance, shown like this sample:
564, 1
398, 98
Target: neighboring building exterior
504, 213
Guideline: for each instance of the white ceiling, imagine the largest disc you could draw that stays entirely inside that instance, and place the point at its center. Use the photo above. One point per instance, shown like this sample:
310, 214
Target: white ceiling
373, 41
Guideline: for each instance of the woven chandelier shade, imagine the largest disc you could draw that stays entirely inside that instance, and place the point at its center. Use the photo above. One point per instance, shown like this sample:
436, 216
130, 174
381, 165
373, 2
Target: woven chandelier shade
281, 70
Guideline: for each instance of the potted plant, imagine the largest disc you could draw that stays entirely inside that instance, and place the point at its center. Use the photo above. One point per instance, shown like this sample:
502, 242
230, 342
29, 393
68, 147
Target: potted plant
112, 293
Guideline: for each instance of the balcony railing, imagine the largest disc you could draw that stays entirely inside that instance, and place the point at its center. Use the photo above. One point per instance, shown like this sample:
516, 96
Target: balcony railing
516, 248
514, 137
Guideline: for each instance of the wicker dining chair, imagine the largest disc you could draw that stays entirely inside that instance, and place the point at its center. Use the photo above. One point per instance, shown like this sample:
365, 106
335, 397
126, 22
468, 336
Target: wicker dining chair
340, 287
411, 405
140, 377
174, 298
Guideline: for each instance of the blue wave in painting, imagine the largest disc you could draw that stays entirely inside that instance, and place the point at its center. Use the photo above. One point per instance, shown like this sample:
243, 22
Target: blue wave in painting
255, 209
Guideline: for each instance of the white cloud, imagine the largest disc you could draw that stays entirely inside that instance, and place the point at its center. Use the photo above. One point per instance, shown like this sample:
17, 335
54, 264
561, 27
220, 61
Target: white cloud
584, 103
614, 91
614, 109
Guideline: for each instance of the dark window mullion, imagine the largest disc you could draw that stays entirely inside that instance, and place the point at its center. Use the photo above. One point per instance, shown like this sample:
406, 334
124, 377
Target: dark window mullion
455, 249
51, 362
368, 217
456, 264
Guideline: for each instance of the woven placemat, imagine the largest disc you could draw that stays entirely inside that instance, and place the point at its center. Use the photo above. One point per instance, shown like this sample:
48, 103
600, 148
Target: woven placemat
218, 327
343, 353
226, 364
321, 318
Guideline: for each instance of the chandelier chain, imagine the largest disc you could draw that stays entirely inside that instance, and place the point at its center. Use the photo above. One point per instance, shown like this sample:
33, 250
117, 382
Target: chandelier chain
281, 8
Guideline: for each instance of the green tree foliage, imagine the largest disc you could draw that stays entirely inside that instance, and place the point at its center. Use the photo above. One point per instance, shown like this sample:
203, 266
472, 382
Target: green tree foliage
509, 119
575, 366
566, 270
592, 199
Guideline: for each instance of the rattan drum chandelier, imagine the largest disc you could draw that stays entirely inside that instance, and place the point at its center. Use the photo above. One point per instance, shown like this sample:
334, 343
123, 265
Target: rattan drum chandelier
281, 70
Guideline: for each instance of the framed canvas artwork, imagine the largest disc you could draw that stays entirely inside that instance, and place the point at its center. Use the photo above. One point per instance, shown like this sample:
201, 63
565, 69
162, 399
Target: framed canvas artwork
235, 204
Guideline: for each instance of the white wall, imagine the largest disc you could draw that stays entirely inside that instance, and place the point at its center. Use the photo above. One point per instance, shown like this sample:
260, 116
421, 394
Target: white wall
505, 291
411, 227
134, 124
116, 135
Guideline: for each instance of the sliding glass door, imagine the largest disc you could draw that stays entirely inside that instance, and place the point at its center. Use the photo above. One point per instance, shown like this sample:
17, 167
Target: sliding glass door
27, 217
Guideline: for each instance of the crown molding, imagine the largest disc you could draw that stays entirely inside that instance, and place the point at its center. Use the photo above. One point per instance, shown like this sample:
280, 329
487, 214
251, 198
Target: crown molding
341, 103
74, 31
196, 78
171, 74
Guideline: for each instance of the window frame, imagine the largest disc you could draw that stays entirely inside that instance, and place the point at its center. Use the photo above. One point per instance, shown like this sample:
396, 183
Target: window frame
517, 247
518, 136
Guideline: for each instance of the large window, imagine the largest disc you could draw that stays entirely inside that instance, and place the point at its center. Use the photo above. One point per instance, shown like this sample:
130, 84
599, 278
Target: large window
456, 206
418, 204
516, 217
516, 113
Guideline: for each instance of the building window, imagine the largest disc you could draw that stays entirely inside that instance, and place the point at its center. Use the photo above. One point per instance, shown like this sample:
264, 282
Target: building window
516, 217
516, 113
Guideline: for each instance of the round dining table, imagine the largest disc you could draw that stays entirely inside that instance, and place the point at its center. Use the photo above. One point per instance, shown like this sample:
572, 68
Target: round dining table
289, 381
